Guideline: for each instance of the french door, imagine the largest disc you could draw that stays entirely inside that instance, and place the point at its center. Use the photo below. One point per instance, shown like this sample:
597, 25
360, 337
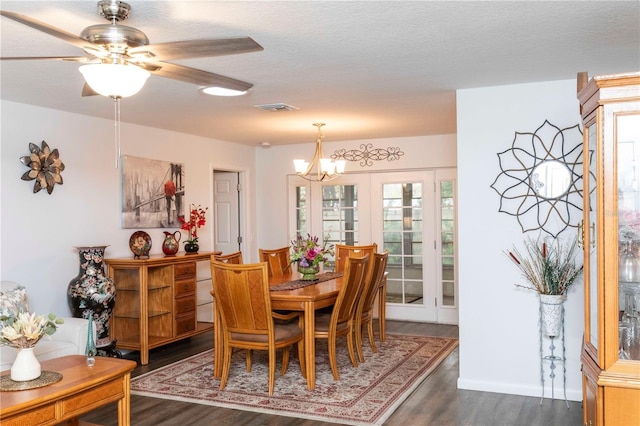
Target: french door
403, 215
410, 214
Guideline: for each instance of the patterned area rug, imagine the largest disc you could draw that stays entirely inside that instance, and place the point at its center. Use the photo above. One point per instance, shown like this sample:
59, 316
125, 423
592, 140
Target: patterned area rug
366, 395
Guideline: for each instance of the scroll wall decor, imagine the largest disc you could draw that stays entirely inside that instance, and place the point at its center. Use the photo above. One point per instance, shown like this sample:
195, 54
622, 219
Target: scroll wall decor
367, 155
541, 179
44, 166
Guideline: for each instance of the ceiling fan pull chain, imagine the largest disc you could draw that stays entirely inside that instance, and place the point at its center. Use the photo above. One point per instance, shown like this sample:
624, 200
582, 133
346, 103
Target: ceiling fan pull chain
116, 113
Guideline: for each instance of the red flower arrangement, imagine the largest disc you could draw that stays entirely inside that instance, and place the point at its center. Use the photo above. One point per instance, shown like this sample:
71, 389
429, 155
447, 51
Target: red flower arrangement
197, 219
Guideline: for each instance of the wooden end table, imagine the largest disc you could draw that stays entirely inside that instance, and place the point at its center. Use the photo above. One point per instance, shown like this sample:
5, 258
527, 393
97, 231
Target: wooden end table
81, 390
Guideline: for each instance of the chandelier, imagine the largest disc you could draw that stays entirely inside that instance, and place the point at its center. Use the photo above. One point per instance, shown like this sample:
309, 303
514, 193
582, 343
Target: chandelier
326, 169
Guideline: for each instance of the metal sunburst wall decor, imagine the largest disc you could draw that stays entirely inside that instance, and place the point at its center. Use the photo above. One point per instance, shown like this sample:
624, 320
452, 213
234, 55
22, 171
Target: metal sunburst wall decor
367, 155
45, 167
541, 178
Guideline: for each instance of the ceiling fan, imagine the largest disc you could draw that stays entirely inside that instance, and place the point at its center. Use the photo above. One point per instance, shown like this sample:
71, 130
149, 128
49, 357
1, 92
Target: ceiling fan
127, 49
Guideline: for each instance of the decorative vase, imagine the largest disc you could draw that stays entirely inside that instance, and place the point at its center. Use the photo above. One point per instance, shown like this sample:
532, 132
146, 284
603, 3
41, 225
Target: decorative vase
92, 293
309, 273
26, 366
191, 247
90, 348
551, 314
170, 244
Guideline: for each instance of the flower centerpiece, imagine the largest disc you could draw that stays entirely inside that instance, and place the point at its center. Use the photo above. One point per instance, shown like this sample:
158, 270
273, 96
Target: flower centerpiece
551, 271
22, 331
197, 219
308, 253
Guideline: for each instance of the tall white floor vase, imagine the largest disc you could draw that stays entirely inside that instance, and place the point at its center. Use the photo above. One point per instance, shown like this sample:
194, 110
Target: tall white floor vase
551, 314
26, 366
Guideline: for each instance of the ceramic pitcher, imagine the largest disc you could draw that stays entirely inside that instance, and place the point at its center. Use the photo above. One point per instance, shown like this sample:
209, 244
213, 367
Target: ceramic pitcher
171, 242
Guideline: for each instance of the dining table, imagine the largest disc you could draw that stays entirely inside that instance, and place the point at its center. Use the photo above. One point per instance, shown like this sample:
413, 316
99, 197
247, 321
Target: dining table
288, 293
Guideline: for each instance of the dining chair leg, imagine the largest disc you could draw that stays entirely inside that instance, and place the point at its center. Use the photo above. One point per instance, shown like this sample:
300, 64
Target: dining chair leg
372, 343
248, 355
285, 360
301, 359
272, 370
226, 366
331, 343
351, 347
359, 332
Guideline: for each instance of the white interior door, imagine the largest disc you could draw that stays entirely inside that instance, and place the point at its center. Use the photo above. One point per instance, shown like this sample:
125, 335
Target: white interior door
226, 212
403, 222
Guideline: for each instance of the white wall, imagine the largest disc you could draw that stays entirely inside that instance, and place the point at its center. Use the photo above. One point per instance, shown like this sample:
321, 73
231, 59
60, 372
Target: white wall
499, 343
39, 231
273, 164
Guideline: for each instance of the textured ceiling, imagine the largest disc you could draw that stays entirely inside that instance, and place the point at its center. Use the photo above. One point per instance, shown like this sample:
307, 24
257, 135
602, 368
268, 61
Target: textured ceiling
367, 69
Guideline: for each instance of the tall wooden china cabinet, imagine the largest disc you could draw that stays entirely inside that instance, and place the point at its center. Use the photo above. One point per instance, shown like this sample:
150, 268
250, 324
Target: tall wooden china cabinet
610, 109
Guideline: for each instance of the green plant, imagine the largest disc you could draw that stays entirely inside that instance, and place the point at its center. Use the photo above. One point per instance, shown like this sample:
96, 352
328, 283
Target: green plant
549, 268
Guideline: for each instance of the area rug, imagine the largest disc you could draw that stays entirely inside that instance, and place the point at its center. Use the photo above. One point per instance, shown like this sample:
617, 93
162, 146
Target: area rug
366, 395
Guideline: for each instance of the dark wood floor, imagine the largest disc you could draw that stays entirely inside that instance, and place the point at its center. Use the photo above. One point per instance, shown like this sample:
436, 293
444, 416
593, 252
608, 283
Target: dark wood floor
437, 401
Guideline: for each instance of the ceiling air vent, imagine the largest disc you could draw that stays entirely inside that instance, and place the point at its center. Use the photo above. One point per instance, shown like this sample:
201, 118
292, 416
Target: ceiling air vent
276, 107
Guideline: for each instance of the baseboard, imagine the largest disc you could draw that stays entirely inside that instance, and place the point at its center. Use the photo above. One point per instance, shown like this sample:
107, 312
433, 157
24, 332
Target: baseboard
512, 389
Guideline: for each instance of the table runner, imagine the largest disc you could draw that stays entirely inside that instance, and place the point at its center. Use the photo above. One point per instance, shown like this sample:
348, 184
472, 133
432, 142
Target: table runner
292, 285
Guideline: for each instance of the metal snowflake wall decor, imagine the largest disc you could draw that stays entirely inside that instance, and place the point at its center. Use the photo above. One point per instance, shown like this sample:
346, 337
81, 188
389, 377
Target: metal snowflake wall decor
366, 155
541, 178
45, 167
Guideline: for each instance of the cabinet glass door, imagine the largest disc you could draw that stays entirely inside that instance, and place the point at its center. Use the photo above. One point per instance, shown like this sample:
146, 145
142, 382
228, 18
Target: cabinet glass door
589, 233
627, 131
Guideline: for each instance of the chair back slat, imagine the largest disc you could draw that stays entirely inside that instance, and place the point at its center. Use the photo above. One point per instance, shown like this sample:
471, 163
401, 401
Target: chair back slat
343, 252
233, 258
277, 259
241, 295
352, 283
377, 267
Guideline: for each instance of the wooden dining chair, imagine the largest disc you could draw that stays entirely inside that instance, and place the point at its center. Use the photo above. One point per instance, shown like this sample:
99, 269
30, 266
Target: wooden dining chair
278, 260
340, 322
343, 252
234, 258
241, 294
364, 309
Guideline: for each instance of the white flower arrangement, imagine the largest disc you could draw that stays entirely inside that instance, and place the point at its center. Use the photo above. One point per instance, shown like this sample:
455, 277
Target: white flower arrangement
26, 329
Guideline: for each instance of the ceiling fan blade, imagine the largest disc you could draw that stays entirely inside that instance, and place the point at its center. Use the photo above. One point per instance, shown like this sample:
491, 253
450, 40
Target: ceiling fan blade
46, 28
198, 77
47, 58
196, 48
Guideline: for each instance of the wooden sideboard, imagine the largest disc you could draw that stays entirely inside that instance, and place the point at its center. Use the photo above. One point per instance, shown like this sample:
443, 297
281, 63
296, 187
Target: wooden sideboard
155, 301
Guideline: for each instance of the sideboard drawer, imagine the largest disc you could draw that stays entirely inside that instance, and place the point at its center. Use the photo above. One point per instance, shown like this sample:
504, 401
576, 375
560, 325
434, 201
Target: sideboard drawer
185, 305
184, 287
186, 323
183, 270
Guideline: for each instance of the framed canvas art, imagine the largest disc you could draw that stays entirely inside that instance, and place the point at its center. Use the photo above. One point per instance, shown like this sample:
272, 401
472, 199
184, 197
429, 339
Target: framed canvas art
152, 193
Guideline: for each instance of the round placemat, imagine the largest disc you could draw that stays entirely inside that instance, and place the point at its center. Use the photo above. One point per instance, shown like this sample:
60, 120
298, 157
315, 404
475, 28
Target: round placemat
46, 378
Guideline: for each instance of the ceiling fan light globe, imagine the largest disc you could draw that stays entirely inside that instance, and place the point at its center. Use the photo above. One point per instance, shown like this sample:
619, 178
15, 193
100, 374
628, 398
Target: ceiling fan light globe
222, 91
115, 80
